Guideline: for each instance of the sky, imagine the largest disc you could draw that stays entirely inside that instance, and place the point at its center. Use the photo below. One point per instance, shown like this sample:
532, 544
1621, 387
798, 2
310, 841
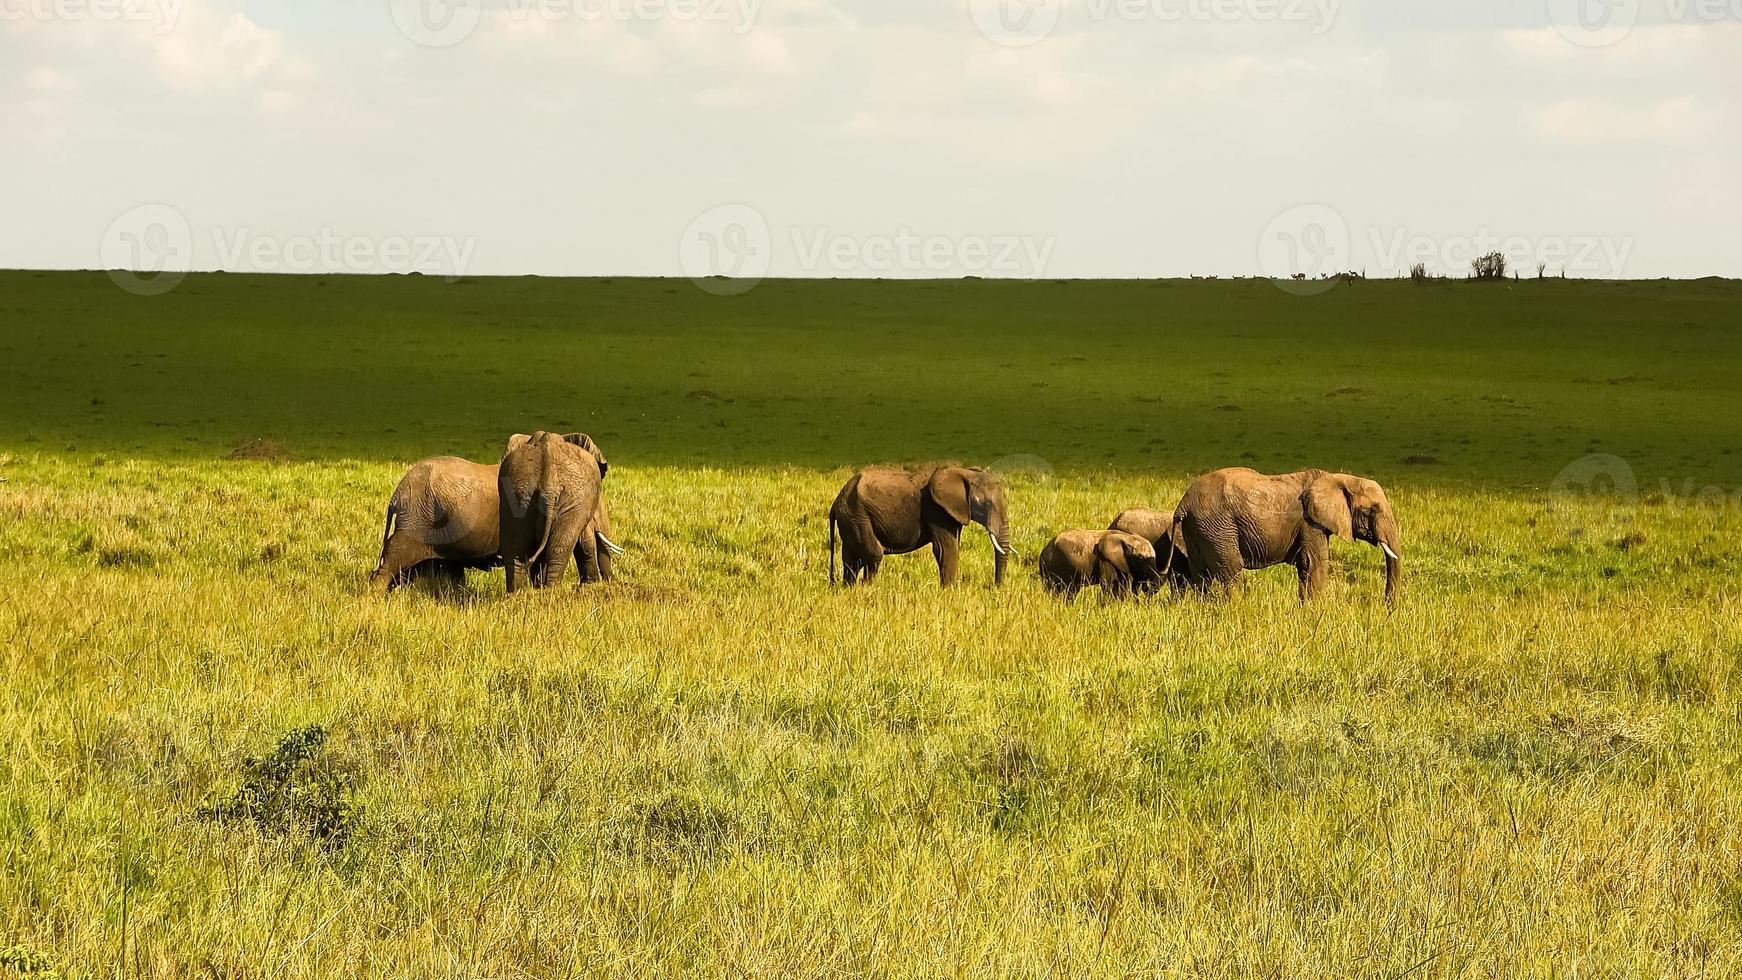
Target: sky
893, 138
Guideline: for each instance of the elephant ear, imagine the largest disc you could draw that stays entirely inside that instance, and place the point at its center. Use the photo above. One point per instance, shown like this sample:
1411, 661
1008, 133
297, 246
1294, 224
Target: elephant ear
586, 442
949, 487
1327, 507
1138, 547
516, 441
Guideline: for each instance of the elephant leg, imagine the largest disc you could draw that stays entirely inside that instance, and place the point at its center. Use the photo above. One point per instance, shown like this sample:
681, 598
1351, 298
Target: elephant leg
604, 559
1145, 580
591, 558
399, 561
1217, 565
1312, 563
1114, 581
554, 563
1054, 583
946, 547
861, 552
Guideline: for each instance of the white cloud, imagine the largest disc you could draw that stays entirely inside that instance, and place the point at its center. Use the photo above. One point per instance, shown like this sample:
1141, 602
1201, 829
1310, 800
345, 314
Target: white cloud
197, 55
766, 51
1681, 120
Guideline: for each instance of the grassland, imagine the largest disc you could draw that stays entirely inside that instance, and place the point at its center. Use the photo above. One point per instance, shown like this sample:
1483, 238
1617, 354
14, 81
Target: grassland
717, 766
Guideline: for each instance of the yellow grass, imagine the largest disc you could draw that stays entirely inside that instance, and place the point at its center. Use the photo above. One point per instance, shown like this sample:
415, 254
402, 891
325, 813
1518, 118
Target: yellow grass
719, 766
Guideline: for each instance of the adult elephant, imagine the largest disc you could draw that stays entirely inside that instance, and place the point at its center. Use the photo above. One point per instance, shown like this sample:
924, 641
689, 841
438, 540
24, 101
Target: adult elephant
889, 511
441, 520
1116, 561
551, 491
1156, 527
1234, 519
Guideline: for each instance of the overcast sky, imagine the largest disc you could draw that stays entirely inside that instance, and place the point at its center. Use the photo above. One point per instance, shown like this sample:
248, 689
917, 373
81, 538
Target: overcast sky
1120, 138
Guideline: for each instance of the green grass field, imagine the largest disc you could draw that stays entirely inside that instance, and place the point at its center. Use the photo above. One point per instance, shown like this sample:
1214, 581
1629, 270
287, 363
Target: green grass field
718, 766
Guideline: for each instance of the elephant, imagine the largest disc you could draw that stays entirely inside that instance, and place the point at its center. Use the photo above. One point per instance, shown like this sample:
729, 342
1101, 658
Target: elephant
1235, 519
551, 489
441, 519
884, 510
1117, 561
444, 518
1156, 527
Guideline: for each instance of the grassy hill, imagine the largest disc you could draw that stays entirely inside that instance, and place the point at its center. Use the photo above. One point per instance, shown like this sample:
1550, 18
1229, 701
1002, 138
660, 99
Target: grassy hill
221, 758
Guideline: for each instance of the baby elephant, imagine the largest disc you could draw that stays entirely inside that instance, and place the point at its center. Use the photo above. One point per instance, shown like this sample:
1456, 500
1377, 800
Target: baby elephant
1116, 561
1156, 527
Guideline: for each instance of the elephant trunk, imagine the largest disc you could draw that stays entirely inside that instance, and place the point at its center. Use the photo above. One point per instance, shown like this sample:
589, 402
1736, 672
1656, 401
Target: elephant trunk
1392, 544
1000, 534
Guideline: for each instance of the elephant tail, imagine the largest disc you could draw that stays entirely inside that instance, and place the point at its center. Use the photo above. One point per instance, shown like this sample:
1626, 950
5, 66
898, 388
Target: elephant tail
550, 512
1173, 540
831, 548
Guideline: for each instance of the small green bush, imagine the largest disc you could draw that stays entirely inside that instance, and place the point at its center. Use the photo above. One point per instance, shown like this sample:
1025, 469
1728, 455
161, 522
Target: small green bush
294, 788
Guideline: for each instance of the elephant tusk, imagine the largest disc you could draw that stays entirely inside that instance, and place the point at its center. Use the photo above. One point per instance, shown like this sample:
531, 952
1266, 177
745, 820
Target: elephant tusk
610, 545
996, 545
1388, 552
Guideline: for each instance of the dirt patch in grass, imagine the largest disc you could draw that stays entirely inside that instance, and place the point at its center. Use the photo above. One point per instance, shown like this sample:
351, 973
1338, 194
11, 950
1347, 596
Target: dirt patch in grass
262, 451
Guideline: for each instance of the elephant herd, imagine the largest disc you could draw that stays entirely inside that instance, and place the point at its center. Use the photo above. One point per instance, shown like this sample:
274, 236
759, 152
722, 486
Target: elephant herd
1229, 521
543, 505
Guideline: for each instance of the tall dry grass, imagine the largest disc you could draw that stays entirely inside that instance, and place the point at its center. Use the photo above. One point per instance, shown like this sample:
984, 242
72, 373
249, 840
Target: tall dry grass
718, 766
